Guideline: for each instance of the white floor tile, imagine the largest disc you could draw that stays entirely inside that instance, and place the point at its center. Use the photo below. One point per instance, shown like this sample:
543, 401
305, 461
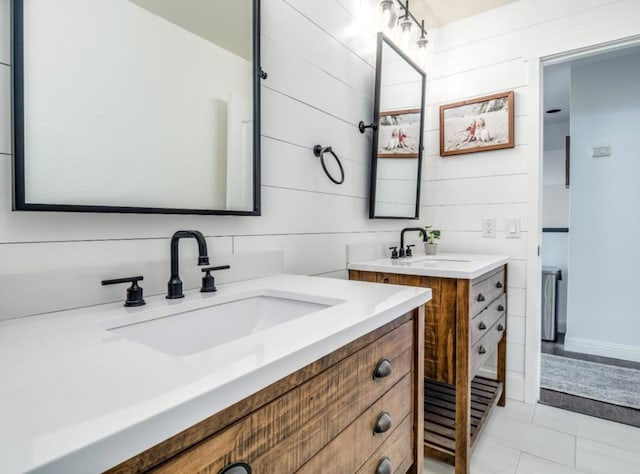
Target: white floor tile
588, 427
534, 465
514, 410
431, 466
598, 458
536, 440
489, 456
527, 439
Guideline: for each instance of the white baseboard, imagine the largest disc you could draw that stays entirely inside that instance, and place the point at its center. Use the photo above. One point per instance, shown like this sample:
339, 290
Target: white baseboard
515, 382
604, 349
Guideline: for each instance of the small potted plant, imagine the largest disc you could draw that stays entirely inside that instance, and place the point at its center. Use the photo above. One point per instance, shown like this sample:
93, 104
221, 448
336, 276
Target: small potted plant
430, 245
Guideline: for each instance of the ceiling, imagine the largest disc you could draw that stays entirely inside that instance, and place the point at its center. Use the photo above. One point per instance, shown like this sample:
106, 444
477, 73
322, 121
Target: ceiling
439, 12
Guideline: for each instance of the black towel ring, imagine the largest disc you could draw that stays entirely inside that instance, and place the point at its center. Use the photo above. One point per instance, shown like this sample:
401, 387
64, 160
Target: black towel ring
319, 152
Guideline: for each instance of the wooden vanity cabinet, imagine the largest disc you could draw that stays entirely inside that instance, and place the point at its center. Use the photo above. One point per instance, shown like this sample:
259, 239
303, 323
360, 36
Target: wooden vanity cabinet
356, 410
465, 323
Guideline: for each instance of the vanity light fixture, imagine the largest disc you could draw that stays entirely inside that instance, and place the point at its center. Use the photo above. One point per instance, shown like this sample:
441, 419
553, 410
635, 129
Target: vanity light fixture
387, 12
405, 21
422, 41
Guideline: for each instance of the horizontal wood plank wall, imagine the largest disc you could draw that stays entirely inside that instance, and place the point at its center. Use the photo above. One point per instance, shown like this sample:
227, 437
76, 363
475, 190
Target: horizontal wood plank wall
320, 86
486, 54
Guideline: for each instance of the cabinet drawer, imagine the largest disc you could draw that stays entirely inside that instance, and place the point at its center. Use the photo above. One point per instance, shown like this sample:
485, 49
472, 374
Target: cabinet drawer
356, 444
285, 433
482, 349
485, 291
484, 320
396, 452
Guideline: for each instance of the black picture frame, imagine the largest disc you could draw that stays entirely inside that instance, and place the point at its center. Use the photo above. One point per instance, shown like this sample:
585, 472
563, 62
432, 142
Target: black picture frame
381, 40
18, 114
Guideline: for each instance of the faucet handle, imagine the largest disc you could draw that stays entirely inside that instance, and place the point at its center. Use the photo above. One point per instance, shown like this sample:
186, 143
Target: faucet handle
134, 292
208, 281
408, 252
394, 252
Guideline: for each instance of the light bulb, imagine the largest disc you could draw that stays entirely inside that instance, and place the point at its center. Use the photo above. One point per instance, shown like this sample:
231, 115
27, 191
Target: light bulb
405, 24
387, 12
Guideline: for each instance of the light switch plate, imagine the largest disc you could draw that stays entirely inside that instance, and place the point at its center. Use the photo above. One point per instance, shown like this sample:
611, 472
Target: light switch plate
512, 228
489, 227
601, 151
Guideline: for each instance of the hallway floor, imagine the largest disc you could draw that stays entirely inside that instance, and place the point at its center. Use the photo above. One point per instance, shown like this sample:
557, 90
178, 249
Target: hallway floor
539, 439
587, 406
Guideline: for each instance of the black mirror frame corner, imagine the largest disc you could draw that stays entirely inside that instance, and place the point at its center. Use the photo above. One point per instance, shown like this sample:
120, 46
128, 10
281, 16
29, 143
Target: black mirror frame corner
17, 105
381, 40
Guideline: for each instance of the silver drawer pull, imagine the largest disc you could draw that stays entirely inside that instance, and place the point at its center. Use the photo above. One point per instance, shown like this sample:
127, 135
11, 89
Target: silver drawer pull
500, 327
500, 308
482, 350
384, 466
383, 423
480, 297
499, 284
383, 369
482, 326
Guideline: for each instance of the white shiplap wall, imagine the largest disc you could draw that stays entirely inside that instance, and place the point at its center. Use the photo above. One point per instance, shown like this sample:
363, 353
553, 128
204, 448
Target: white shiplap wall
492, 52
320, 86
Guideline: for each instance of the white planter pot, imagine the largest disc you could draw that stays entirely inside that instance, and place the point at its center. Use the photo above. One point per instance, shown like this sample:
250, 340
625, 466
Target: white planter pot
430, 249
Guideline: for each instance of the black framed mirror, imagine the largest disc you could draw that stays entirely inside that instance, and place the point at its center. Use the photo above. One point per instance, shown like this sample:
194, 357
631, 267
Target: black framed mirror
396, 157
138, 106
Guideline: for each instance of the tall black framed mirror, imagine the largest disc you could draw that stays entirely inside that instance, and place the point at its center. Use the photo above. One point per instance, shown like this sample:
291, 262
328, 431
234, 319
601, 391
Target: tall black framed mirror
396, 156
141, 106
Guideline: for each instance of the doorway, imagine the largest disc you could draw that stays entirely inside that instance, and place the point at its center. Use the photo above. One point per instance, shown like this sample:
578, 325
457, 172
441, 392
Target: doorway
590, 361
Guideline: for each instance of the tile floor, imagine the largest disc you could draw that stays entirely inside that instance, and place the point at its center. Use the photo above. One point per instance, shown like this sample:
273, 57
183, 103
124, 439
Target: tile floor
539, 439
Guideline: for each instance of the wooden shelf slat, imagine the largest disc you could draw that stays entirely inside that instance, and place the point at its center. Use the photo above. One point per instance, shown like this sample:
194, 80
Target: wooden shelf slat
439, 414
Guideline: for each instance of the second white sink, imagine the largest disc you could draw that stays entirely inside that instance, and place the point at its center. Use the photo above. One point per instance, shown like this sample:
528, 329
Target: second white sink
197, 329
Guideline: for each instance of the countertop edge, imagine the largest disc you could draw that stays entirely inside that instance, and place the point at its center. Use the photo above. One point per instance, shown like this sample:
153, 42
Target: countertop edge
113, 449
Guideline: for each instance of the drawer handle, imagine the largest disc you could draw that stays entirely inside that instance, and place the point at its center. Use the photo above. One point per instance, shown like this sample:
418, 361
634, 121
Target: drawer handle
383, 423
480, 297
499, 284
385, 280
236, 468
482, 326
383, 369
384, 466
500, 308
482, 350
500, 327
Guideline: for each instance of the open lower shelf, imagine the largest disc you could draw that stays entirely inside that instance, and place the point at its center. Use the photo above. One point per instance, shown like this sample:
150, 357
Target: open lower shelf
440, 415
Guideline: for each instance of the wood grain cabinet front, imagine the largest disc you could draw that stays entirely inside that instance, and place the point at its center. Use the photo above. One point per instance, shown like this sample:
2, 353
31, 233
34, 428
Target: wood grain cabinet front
331, 416
466, 322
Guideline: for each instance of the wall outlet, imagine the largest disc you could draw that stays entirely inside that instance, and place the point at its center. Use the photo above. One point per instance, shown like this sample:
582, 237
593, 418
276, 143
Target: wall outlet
512, 228
489, 227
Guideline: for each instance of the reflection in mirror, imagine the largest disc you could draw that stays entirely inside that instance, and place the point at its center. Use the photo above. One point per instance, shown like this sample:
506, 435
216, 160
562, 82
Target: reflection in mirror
137, 106
397, 141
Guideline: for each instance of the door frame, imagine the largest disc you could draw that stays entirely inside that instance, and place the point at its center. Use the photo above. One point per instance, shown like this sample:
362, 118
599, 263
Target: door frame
533, 347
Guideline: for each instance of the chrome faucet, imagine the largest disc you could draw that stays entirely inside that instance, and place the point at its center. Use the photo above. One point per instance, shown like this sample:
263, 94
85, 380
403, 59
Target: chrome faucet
401, 252
174, 287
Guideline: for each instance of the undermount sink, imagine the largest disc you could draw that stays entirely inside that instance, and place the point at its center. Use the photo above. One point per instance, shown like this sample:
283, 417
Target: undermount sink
187, 331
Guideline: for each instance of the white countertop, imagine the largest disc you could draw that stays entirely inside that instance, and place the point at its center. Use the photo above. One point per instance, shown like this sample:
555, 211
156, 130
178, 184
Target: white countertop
76, 398
446, 265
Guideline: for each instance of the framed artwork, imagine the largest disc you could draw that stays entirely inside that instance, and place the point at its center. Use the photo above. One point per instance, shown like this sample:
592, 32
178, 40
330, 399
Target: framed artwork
399, 134
481, 124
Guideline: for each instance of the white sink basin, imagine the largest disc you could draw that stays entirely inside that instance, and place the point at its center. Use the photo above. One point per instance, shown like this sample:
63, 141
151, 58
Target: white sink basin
182, 330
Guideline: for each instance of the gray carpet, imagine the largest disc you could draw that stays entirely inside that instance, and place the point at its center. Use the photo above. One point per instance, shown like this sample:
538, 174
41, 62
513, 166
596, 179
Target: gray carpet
606, 383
